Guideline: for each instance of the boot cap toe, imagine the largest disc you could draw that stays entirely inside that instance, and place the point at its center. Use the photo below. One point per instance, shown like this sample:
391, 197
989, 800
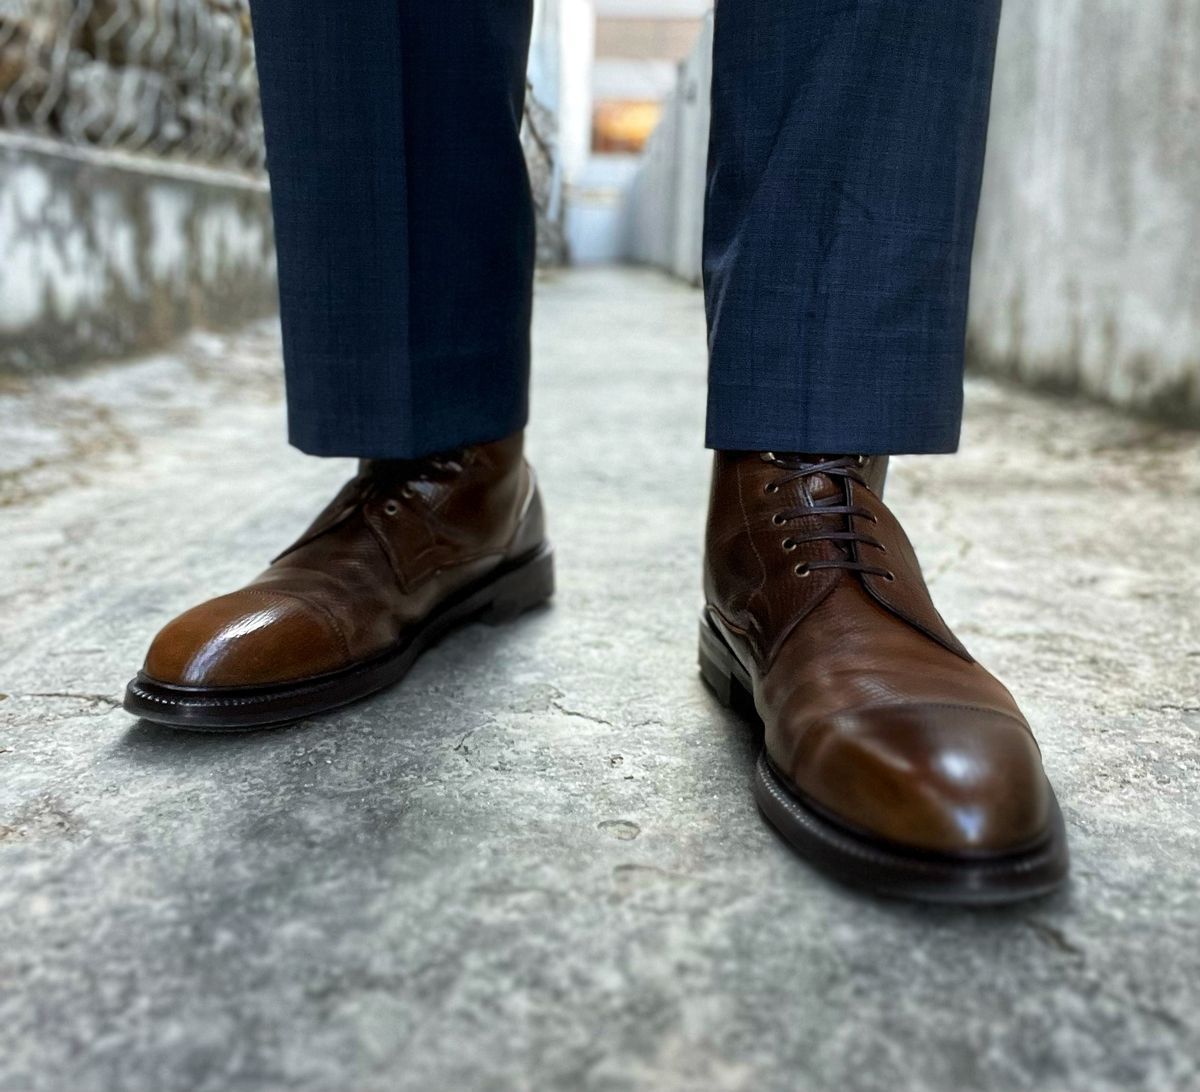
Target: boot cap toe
251, 637
946, 779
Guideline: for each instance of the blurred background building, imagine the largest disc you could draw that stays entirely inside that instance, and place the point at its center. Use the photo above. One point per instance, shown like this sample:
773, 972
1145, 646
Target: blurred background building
133, 199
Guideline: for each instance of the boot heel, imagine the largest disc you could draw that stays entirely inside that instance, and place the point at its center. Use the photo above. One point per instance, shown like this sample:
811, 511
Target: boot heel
719, 669
718, 681
521, 590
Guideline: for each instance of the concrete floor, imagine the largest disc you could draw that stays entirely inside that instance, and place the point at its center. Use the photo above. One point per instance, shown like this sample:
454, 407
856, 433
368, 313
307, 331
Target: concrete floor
537, 864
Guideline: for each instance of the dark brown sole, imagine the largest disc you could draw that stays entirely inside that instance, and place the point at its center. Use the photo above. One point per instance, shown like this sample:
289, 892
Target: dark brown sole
854, 859
501, 597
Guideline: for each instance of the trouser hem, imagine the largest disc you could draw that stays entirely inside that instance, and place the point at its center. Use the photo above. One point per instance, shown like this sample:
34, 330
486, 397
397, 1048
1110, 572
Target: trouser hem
449, 402
750, 419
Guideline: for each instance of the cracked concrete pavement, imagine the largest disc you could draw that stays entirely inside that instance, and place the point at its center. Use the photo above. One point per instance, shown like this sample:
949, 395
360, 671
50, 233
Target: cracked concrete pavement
537, 864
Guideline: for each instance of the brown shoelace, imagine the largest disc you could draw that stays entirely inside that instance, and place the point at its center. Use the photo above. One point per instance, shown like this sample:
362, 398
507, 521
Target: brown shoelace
843, 534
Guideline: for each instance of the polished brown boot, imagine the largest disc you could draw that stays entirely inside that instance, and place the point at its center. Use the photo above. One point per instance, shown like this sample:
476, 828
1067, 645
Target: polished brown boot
405, 552
892, 759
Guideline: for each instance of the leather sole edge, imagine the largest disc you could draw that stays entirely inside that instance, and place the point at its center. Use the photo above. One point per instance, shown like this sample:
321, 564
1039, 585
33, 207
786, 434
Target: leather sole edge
862, 863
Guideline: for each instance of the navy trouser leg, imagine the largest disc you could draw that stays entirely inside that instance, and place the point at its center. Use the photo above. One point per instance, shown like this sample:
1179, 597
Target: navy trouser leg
403, 218
844, 167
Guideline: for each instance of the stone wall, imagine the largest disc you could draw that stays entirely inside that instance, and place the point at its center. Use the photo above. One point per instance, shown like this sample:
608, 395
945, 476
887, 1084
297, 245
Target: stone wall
172, 78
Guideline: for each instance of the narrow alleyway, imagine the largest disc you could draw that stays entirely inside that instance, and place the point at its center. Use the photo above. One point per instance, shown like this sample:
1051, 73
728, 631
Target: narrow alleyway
537, 864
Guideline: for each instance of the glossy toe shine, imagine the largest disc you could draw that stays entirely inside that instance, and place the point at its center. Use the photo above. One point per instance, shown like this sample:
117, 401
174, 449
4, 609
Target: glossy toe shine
251, 637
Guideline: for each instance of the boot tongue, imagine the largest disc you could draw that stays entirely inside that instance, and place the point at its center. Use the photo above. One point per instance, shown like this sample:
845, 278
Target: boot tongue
821, 488
418, 475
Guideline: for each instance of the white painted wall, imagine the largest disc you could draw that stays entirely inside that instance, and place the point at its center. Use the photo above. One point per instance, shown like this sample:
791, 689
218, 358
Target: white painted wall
653, 9
575, 48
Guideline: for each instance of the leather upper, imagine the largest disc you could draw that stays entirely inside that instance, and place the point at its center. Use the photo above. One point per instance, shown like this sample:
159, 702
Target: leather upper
397, 540
874, 712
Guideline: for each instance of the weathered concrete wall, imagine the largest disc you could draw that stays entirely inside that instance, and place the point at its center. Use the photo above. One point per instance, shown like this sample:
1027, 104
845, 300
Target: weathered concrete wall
665, 208
1087, 260
102, 254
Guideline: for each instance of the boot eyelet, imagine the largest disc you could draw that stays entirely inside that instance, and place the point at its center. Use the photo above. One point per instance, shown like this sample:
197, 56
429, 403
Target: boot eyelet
790, 544
802, 570
778, 519
771, 487
889, 577
391, 508
408, 492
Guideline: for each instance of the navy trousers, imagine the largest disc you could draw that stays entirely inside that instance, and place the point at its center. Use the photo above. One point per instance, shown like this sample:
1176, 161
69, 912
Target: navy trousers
844, 167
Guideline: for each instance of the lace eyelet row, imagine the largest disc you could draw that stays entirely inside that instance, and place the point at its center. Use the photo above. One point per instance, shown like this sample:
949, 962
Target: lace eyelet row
803, 570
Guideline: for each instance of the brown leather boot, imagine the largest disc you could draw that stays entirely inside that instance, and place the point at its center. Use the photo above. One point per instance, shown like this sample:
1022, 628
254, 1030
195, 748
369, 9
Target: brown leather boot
404, 553
892, 759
